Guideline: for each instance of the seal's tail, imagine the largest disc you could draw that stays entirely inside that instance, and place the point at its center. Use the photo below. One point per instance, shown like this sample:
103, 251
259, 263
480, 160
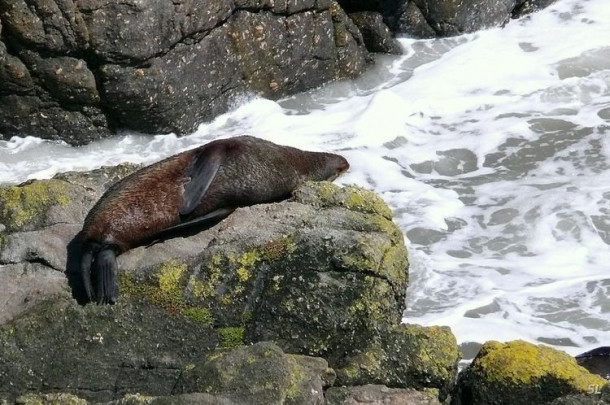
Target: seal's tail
105, 271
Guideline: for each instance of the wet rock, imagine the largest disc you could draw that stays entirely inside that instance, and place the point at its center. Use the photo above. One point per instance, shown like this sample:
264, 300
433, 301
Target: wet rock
404, 356
595, 396
525, 7
440, 18
98, 352
50, 399
78, 71
596, 361
502, 372
379, 395
259, 374
376, 35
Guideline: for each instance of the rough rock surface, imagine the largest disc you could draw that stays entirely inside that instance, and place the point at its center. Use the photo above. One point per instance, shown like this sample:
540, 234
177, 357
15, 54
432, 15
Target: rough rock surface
596, 396
596, 361
502, 372
439, 18
259, 374
379, 395
78, 70
376, 35
323, 274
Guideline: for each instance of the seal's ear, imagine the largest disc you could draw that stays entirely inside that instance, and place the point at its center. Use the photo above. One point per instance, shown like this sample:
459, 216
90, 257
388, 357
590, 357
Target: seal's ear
201, 171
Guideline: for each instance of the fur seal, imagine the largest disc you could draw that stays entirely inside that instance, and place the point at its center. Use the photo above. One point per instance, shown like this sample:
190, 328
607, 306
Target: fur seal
193, 188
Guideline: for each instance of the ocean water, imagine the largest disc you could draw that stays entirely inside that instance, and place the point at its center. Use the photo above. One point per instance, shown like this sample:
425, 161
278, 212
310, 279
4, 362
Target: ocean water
493, 149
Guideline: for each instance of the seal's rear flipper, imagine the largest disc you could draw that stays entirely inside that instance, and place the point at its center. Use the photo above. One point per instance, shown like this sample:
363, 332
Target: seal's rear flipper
85, 271
107, 289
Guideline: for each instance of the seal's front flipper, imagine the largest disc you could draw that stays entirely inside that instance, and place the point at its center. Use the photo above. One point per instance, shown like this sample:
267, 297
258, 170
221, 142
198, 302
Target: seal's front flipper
200, 223
201, 171
106, 286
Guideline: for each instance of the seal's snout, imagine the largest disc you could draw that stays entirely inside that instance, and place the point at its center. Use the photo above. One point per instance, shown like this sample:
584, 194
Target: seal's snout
343, 166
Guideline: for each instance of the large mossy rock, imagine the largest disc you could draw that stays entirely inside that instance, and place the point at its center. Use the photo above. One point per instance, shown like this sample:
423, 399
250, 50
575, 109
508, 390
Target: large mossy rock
79, 70
517, 371
259, 374
323, 274
98, 352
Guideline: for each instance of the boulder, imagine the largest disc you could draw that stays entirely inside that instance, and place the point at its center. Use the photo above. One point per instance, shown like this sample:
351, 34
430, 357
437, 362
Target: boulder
259, 374
503, 372
79, 71
596, 361
322, 276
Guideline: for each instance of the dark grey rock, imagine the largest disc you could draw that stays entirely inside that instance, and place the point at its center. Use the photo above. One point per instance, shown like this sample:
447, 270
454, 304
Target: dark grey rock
258, 374
596, 361
597, 395
98, 352
78, 71
376, 35
525, 7
440, 18
378, 395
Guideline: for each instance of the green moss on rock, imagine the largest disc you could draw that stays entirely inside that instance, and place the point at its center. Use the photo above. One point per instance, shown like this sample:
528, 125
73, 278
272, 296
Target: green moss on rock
258, 374
231, 336
354, 198
535, 374
167, 291
50, 399
406, 356
26, 205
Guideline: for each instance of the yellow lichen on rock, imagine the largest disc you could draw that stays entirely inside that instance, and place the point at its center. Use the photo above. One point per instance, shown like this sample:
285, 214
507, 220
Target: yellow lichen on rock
27, 203
352, 197
520, 362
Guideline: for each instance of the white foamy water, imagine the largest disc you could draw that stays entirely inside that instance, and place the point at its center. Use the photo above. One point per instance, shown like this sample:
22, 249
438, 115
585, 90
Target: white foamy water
493, 150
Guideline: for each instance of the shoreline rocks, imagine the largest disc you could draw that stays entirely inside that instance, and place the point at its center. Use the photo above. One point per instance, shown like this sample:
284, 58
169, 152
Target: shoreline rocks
81, 71
301, 298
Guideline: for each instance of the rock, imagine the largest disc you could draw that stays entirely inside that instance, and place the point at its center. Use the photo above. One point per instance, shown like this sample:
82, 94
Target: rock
184, 399
259, 374
502, 372
376, 35
98, 352
50, 399
525, 7
406, 356
79, 71
596, 361
323, 274
595, 396
440, 18
454, 17
379, 395
26, 284
408, 19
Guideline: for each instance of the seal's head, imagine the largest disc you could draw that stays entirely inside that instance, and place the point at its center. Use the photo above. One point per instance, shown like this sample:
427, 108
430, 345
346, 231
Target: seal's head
329, 167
